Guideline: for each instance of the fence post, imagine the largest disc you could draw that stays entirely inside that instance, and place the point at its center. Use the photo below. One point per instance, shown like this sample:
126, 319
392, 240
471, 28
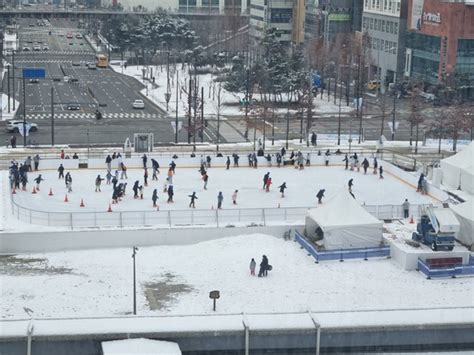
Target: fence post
144, 217
121, 221
286, 213
365, 257
192, 217
217, 218
169, 218
95, 219
49, 216
341, 259
70, 220
239, 216
30, 217
263, 217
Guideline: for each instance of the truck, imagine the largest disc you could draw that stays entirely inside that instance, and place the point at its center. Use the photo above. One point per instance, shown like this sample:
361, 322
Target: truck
437, 228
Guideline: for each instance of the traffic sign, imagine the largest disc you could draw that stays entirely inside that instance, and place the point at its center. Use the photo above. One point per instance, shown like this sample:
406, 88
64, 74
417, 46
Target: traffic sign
31, 73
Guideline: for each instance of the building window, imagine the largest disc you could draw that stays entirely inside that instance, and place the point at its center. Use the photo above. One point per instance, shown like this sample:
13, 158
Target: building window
382, 45
390, 5
385, 4
281, 15
395, 28
398, 7
371, 23
383, 26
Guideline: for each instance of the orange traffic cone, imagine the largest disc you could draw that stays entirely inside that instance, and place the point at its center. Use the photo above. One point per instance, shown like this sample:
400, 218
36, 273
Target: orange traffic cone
50, 191
412, 221
66, 199
82, 203
110, 208
34, 190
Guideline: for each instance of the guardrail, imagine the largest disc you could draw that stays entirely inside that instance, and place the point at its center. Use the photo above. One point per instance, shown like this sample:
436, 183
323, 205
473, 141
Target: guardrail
341, 254
450, 271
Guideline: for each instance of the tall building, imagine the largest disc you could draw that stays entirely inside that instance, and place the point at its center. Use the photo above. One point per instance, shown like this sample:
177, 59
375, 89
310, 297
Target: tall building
287, 16
384, 22
440, 42
185, 6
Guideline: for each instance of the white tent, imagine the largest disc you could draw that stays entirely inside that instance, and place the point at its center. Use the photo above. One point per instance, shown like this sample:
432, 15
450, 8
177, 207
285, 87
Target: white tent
465, 214
344, 223
140, 346
458, 170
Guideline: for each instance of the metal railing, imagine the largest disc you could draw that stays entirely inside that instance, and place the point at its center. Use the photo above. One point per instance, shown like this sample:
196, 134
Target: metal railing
188, 218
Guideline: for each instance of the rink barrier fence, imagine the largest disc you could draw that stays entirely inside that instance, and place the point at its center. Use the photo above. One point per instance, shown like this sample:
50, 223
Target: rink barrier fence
185, 218
341, 254
451, 271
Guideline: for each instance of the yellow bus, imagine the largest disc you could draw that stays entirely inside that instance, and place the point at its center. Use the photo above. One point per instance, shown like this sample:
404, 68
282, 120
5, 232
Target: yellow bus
101, 61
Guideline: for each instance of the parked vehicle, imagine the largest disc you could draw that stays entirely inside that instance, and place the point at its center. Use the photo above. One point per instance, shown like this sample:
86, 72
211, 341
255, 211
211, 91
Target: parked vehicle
138, 104
73, 107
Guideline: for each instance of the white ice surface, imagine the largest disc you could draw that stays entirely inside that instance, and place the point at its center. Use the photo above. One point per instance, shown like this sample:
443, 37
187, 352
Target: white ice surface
140, 347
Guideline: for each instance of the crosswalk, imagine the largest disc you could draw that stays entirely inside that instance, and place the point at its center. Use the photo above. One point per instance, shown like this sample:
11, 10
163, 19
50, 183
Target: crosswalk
54, 61
91, 115
57, 52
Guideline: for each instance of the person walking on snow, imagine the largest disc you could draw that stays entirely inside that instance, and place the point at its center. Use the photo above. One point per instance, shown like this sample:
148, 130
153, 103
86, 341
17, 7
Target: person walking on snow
154, 197
365, 165
350, 184
253, 265
265, 179
227, 163
144, 160
61, 171
220, 198
170, 191
406, 208
193, 199
135, 189
269, 182
263, 267
205, 178
234, 197
38, 181
98, 182
320, 195
381, 172
282, 189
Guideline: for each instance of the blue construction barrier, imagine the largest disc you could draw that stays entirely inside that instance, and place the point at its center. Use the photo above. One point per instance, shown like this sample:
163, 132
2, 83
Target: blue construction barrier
450, 271
341, 254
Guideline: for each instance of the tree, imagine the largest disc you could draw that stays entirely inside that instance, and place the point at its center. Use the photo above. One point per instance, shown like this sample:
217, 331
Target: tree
415, 117
458, 120
383, 105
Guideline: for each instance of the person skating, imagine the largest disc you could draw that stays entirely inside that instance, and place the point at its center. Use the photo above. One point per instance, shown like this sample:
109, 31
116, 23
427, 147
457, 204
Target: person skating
154, 197
155, 166
250, 157
327, 154
227, 163
115, 195
236, 160
420, 182
265, 179
135, 189
193, 199
424, 187
269, 160
376, 165
114, 181
170, 192
313, 139
123, 168
234, 197
406, 208
61, 171
308, 159
145, 177
253, 265
381, 172
68, 180
278, 159
108, 177
255, 161
140, 191
320, 195
173, 166
38, 181
108, 162
220, 198
263, 267
269, 183
169, 177
205, 178
346, 161
365, 165
350, 184
36, 161
144, 160
282, 189
24, 181
98, 182
28, 164
208, 161
357, 164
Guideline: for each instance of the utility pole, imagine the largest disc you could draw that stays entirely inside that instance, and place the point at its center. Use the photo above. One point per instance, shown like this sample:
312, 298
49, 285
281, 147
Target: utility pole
218, 115
8, 87
24, 111
202, 114
309, 116
52, 116
177, 93
13, 79
189, 110
135, 249
360, 93
287, 125
393, 112
339, 117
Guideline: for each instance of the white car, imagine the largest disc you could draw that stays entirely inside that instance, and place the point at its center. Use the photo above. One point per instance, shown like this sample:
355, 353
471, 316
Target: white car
138, 104
67, 79
13, 126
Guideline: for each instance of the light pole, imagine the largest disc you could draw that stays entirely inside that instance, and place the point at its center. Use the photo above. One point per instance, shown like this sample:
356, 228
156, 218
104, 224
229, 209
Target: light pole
135, 249
176, 120
13, 78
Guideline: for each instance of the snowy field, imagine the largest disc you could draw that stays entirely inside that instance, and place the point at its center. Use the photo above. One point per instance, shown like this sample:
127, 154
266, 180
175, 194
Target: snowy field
177, 280
303, 186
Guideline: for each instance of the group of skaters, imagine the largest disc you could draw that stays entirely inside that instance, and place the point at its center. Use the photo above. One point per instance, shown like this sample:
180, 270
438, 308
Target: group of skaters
18, 172
265, 267
353, 163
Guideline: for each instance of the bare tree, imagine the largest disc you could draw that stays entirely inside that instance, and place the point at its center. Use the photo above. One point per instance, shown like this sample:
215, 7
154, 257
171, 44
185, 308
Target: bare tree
458, 120
415, 117
383, 105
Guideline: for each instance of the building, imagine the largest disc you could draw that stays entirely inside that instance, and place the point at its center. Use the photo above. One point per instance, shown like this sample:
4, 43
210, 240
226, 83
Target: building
184, 6
384, 22
440, 42
287, 16
10, 43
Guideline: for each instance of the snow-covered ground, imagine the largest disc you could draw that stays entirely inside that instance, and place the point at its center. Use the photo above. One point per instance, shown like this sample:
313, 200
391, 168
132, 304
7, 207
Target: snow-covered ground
230, 101
4, 108
177, 280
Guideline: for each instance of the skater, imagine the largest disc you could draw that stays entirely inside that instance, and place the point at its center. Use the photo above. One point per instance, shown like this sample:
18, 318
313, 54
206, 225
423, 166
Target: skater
381, 172
263, 267
135, 189
28, 164
269, 182
68, 180
61, 171
255, 161
250, 160
36, 161
123, 168
269, 160
282, 189
350, 184
24, 181
420, 183
170, 174
145, 177
38, 181
278, 159
313, 139
357, 164
62, 154
227, 163
208, 161
265, 179
144, 160
365, 165
170, 193
108, 161
328, 153
173, 166
205, 178
154, 197
13, 141
98, 181
308, 159
283, 151
115, 193
234, 197
108, 177
140, 190
114, 180
424, 187
406, 208
155, 166
220, 198
236, 160
193, 199
253, 265
300, 160
320, 196
376, 165
346, 161
352, 162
